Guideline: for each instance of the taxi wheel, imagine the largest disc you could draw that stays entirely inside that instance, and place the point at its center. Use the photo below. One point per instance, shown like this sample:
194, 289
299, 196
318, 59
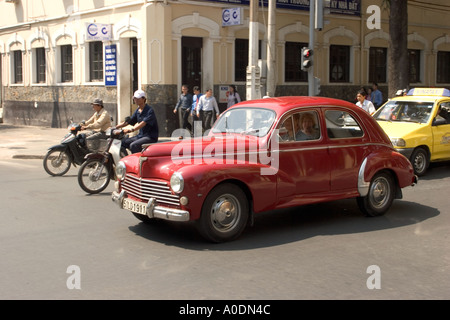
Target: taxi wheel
380, 197
224, 214
420, 161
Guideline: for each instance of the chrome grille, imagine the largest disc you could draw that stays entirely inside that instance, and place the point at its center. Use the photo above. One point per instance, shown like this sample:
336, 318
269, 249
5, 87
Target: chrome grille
145, 189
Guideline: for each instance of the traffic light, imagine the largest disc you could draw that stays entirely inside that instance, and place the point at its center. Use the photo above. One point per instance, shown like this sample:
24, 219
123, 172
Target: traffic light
306, 58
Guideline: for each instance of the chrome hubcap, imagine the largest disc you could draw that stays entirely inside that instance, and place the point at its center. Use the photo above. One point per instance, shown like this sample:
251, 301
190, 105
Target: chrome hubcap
380, 191
419, 162
225, 213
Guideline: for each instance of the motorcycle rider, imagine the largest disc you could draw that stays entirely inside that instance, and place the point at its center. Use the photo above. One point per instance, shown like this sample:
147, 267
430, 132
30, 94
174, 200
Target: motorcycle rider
144, 120
98, 123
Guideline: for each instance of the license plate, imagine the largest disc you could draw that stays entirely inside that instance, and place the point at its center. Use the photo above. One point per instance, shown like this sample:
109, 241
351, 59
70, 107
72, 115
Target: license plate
135, 206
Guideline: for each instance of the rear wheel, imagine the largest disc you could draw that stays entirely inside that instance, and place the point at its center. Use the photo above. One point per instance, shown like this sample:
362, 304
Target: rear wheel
380, 197
57, 162
224, 213
93, 176
420, 161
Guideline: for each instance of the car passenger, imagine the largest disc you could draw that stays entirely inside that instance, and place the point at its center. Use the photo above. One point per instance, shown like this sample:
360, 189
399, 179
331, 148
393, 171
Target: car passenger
306, 127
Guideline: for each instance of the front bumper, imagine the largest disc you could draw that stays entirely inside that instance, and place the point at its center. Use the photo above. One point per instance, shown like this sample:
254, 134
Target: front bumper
407, 152
154, 211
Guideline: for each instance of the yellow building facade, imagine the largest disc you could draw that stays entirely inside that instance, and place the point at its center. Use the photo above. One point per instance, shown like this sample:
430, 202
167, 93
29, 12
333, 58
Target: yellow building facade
57, 56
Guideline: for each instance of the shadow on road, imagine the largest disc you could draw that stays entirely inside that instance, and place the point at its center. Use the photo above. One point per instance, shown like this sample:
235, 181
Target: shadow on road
437, 170
291, 225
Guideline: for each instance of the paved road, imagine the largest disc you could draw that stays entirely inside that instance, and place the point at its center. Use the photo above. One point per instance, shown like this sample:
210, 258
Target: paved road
54, 237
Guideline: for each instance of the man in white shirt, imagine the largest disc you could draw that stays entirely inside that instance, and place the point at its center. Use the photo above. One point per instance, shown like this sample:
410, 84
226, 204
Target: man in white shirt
363, 103
207, 104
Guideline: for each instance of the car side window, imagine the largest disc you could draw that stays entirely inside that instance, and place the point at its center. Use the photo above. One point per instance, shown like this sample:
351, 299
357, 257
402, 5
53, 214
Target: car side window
342, 125
306, 126
443, 112
286, 131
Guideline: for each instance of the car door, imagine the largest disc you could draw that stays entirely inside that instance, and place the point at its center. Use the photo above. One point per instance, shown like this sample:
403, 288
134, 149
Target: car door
348, 147
441, 133
304, 165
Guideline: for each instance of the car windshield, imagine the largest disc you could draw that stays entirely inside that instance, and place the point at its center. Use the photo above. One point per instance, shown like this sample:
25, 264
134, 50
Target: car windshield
246, 121
405, 111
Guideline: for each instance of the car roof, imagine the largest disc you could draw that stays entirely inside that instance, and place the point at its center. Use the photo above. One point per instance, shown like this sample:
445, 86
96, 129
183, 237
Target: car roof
283, 104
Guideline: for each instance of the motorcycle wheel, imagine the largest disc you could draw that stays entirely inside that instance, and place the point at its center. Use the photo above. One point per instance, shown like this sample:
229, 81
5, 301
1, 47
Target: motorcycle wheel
57, 162
93, 176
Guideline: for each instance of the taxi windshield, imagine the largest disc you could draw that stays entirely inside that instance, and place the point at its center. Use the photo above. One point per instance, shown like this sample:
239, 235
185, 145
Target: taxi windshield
246, 121
405, 111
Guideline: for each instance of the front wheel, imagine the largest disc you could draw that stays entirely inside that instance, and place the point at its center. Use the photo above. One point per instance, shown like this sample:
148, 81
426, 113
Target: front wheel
57, 162
380, 197
93, 176
224, 214
420, 161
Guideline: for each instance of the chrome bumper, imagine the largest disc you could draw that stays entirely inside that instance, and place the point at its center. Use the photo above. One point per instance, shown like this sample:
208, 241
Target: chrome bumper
154, 211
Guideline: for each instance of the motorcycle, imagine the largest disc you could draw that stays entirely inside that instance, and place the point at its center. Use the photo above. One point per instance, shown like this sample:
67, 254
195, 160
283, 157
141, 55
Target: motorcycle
71, 151
99, 168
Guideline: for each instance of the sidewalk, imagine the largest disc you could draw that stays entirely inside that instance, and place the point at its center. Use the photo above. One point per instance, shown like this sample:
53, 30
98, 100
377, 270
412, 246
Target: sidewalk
28, 142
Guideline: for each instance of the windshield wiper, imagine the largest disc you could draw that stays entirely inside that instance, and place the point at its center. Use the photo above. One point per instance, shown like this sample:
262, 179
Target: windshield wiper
409, 120
250, 131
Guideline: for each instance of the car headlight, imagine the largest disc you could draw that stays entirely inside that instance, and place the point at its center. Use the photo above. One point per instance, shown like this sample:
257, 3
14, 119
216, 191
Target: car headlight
177, 182
398, 142
121, 171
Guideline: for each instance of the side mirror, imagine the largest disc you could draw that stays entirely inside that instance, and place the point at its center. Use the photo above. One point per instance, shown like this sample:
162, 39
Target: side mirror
439, 122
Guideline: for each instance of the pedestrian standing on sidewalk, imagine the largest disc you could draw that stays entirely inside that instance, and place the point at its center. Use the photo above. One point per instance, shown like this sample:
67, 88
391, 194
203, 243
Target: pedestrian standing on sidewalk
363, 103
233, 96
144, 120
377, 96
195, 100
207, 104
184, 104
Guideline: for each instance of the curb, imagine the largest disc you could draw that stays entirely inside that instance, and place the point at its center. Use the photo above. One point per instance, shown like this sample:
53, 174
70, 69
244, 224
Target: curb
28, 157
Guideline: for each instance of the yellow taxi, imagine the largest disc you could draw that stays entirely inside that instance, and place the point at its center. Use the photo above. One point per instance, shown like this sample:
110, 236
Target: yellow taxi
418, 125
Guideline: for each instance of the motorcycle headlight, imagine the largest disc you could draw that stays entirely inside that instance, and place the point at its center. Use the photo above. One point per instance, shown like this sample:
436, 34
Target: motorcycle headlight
177, 182
121, 171
398, 142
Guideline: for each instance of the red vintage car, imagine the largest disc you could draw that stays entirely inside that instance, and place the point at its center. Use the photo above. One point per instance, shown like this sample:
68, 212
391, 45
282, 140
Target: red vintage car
262, 155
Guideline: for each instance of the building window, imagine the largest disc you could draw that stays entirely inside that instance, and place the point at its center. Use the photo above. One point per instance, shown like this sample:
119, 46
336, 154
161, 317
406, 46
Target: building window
96, 61
377, 64
443, 67
292, 62
414, 66
66, 63
18, 75
40, 65
339, 63
241, 58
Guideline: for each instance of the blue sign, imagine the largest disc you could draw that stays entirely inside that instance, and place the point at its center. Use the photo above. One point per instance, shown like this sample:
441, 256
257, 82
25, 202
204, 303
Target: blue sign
111, 65
231, 17
98, 32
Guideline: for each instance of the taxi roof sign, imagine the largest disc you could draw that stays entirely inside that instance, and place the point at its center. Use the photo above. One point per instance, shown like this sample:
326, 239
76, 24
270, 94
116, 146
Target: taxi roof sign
441, 92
